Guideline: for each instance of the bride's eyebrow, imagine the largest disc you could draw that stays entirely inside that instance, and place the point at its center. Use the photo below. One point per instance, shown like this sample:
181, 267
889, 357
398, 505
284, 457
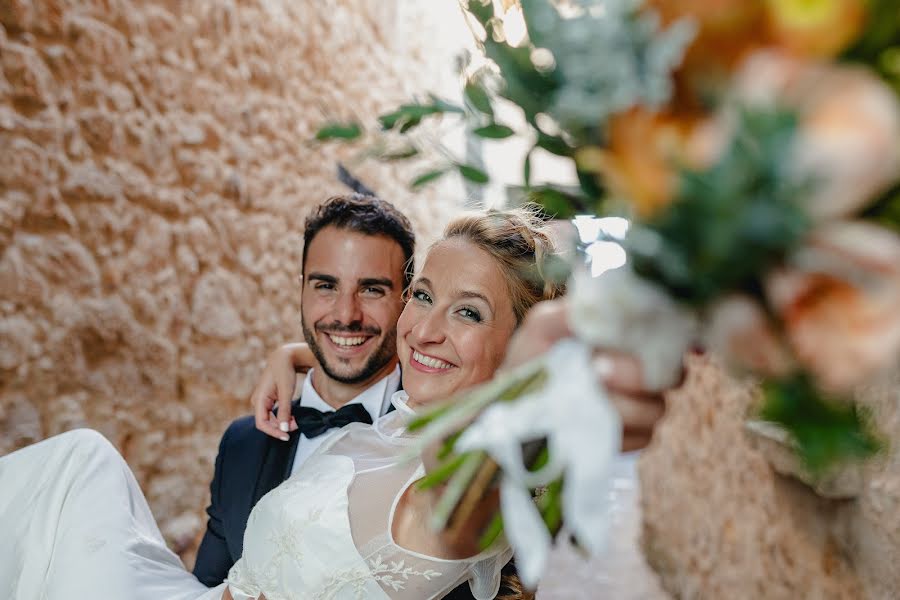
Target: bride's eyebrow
471, 294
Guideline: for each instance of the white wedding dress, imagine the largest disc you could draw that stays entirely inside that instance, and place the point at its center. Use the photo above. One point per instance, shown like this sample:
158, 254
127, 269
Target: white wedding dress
74, 524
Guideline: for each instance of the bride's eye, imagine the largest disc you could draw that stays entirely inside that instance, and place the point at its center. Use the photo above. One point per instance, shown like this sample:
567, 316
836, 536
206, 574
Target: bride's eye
421, 296
470, 313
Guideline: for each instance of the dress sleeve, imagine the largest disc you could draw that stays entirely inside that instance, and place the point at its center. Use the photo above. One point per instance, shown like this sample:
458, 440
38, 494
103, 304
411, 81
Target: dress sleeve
241, 583
484, 575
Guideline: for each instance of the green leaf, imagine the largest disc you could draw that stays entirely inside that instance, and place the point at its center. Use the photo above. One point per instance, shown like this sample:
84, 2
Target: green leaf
483, 10
339, 131
827, 430
526, 168
473, 174
414, 112
554, 144
401, 154
494, 131
478, 98
492, 531
444, 106
427, 177
558, 203
407, 125
442, 473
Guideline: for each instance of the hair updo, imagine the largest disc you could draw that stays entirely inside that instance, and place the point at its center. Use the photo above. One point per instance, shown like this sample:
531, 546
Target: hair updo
518, 240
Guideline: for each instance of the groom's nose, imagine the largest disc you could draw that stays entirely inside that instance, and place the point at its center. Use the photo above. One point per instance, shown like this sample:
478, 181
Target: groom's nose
348, 309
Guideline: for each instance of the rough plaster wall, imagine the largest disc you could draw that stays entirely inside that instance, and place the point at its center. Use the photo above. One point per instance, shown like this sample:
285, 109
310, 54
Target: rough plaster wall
719, 522
154, 174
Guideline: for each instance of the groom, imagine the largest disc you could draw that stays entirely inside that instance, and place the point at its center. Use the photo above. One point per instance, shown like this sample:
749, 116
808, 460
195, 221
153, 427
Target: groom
357, 260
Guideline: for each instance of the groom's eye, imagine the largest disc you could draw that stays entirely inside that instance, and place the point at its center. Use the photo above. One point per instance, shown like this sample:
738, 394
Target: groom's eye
373, 292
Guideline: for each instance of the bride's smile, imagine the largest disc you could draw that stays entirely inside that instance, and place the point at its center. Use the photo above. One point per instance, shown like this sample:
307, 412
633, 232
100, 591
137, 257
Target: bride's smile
453, 332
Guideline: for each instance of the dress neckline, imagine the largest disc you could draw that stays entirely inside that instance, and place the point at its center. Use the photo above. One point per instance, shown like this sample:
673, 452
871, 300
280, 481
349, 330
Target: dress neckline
392, 427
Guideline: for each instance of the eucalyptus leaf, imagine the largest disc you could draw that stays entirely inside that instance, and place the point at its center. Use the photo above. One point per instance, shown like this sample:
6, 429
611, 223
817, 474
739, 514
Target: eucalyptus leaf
494, 131
478, 97
414, 112
402, 154
554, 144
473, 174
339, 131
427, 177
407, 125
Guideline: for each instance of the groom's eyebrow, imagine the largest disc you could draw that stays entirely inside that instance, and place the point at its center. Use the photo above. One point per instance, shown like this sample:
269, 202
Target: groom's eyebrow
322, 277
382, 281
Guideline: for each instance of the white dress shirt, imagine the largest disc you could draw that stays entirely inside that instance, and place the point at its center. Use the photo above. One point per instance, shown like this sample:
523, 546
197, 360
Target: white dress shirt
376, 399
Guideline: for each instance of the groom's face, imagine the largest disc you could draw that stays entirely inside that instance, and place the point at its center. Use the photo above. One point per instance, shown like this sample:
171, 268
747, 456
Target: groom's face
352, 296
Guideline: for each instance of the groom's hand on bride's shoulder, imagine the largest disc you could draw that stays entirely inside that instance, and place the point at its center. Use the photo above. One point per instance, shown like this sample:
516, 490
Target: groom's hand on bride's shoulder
640, 408
275, 389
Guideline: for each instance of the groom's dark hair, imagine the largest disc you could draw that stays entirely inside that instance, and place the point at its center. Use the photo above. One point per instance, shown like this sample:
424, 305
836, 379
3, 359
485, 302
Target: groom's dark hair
367, 215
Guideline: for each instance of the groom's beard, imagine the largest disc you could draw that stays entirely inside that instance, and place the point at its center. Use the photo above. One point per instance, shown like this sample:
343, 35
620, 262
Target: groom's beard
378, 359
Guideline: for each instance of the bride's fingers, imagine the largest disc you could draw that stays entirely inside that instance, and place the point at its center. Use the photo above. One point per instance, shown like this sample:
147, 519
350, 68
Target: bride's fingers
544, 325
619, 372
639, 413
263, 400
635, 441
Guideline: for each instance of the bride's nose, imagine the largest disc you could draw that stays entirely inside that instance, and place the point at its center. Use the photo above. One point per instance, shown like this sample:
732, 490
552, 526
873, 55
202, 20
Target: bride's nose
431, 328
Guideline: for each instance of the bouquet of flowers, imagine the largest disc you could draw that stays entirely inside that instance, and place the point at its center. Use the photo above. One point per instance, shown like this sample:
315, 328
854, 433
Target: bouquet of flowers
755, 146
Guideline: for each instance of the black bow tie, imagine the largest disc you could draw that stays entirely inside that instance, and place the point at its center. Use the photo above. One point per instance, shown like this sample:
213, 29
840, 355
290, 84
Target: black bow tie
313, 422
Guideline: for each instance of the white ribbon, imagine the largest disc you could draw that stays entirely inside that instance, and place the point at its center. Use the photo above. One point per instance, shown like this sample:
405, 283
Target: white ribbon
583, 432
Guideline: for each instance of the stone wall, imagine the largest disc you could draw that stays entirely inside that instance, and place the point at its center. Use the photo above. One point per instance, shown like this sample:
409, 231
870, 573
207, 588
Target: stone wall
726, 514
155, 170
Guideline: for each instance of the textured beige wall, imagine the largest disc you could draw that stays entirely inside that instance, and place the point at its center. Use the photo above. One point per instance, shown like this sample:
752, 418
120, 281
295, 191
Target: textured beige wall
154, 175
721, 522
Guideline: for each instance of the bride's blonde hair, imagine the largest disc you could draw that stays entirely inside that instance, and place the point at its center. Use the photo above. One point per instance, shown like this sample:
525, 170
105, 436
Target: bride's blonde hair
518, 239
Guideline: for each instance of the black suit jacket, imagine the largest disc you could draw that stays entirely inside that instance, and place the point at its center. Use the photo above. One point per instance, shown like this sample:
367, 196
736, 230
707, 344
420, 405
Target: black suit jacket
249, 465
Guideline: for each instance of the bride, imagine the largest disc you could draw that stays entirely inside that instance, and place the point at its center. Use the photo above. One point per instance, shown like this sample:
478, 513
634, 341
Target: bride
347, 525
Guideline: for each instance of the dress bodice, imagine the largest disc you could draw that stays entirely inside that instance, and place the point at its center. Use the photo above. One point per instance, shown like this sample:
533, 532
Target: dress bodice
325, 533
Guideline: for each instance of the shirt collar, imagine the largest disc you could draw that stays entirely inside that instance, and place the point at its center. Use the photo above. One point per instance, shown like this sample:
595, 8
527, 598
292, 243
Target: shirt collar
376, 398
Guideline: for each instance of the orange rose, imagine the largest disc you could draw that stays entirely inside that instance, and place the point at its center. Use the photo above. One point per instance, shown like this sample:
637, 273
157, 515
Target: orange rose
819, 28
643, 152
727, 31
848, 142
839, 300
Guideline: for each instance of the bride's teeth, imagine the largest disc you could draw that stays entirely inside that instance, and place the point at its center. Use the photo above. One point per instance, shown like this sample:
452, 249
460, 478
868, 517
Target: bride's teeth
347, 341
428, 361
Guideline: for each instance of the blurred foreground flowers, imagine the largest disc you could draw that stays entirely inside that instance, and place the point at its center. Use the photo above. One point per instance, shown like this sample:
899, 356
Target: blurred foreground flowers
755, 144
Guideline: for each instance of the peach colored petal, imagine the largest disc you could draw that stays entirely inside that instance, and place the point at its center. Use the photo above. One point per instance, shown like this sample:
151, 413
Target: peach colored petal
840, 303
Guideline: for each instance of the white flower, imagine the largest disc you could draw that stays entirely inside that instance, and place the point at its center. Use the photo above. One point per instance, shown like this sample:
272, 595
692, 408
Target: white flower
620, 311
583, 432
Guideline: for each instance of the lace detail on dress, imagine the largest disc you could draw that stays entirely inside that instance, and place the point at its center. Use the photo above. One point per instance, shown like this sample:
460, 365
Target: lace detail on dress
390, 574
